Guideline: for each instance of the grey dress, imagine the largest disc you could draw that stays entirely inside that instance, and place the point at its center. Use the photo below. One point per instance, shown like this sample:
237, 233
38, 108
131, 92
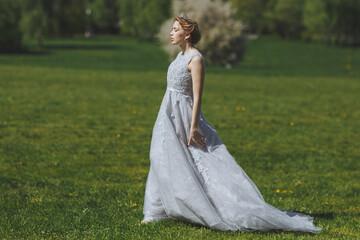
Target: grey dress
203, 186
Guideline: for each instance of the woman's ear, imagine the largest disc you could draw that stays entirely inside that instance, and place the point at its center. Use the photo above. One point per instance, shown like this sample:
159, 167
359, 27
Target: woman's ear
187, 36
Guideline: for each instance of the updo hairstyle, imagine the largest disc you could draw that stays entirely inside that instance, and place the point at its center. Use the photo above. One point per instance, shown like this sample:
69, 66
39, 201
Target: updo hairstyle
190, 26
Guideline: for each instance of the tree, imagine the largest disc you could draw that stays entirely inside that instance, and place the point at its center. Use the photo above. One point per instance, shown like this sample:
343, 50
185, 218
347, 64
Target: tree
338, 19
42, 18
252, 13
316, 19
345, 21
222, 38
68, 15
34, 20
10, 37
105, 15
143, 18
287, 18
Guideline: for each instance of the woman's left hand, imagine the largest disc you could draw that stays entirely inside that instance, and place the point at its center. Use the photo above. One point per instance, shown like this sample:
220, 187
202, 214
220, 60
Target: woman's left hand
197, 138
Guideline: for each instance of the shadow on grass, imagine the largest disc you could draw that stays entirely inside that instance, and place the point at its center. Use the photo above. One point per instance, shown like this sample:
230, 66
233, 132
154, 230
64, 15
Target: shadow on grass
329, 215
29, 52
48, 49
173, 223
85, 47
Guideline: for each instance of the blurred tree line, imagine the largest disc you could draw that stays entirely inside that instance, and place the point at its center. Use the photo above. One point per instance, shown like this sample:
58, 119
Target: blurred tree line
333, 21
38, 19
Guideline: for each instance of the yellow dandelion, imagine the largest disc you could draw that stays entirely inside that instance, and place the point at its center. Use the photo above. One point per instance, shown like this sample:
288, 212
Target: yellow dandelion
348, 66
356, 220
32, 201
326, 203
344, 114
134, 204
118, 135
243, 108
291, 191
292, 123
119, 155
134, 111
301, 210
284, 191
70, 194
129, 98
238, 108
278, 190
20, 163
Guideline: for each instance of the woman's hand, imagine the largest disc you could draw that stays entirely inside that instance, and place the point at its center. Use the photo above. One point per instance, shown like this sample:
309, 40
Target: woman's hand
197, 138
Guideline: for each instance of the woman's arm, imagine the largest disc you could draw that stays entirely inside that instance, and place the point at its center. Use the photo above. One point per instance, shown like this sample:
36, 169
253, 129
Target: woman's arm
197, 68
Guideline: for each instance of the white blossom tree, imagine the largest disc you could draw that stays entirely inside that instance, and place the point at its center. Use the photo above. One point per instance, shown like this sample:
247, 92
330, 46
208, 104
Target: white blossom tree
222, 36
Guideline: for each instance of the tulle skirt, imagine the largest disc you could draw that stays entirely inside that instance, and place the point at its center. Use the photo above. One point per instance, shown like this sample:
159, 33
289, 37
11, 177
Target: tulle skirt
205, 186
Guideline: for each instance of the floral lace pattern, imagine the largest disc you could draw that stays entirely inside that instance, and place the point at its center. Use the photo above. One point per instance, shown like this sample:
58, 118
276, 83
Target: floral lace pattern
200, 165
178, 75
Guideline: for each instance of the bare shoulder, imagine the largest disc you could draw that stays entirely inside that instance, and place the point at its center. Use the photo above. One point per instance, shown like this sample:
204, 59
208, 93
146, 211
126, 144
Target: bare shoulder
196, 59
197, 51
196, 63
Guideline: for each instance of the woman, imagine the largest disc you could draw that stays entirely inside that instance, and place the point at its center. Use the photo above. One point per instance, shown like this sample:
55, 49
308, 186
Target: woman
192, 176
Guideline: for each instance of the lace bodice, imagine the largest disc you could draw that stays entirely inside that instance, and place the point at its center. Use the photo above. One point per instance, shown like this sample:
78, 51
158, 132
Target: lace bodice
178, 76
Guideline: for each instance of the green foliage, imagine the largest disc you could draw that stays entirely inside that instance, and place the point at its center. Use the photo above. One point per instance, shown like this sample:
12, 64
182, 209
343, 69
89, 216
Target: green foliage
252, 13
345, 21
336, 21
316, 18
143, 18
41, 18
104, 15
68, 16
10, 37
287, 18
34, 20
337, 18
127, 17
74, 155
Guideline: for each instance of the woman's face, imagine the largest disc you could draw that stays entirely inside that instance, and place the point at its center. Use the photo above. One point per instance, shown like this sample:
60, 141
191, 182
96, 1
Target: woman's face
177, 34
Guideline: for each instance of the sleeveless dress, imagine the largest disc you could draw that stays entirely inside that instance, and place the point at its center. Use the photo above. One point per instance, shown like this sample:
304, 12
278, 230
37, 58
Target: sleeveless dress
204, 186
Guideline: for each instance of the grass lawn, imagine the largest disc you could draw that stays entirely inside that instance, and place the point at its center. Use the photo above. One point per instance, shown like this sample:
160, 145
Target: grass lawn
76, 120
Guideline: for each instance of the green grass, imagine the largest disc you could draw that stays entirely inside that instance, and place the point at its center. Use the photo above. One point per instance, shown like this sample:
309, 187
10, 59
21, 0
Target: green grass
76, 122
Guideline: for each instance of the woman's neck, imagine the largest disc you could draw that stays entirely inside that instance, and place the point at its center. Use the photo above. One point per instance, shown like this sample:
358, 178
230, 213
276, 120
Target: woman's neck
186, 47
